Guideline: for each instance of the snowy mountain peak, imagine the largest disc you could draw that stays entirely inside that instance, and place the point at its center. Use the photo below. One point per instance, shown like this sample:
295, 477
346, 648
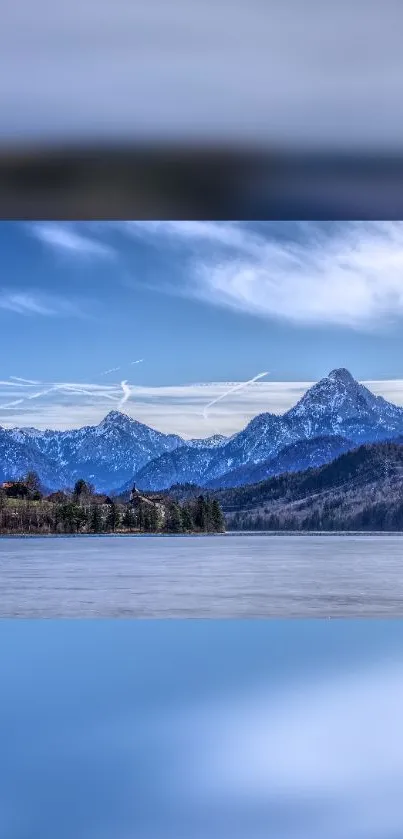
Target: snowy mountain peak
338, 404
340, 374
338, 391
121, 449
115, 418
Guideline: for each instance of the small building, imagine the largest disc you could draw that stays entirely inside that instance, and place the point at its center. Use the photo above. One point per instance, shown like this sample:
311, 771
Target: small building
15, 489
136, 499
99, 498
58, 497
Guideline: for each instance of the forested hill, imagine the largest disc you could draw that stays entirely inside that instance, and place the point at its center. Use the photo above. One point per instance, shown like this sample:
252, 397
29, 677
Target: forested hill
360, 490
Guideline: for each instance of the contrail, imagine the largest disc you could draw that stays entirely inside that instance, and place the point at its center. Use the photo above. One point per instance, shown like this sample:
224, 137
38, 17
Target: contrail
80, 392
126, 394
12, 404
26, 381
41, 393
115, 369
232, 390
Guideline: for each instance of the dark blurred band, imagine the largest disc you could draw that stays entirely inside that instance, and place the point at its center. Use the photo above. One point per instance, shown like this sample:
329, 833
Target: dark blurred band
196, 183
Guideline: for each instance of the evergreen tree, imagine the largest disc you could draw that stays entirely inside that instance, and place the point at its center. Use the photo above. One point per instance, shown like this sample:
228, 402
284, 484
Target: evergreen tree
217, 517
96, 522
113, 518
144, 514
153, 519
142, 517
128, 520
72, 517
174, 522
201, 513
187, 518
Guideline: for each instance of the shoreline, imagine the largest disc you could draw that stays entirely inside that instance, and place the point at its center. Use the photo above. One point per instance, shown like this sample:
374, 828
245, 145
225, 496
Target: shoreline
294, 533
101, 535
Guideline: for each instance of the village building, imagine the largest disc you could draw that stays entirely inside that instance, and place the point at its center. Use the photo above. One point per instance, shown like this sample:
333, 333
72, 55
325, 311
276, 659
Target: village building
137, 499
58, 497
15, 489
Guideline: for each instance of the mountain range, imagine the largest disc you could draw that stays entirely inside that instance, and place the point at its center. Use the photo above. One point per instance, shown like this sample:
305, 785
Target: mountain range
335, 415
359, 490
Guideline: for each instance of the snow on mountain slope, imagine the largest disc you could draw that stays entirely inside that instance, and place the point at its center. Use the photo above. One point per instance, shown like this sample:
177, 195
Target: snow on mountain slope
19, 456
212, 442
120, 449
338, 404
305, 454
176, 467
335, 406
106, 454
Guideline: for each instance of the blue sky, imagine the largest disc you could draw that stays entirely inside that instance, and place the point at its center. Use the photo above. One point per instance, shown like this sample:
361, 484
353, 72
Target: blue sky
200, 306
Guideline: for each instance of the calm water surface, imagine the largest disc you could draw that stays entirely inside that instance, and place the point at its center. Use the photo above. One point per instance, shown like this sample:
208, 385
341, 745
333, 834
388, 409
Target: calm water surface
248, 575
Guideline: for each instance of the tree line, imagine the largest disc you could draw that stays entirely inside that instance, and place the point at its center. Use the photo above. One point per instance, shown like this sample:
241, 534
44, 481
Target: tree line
25, 509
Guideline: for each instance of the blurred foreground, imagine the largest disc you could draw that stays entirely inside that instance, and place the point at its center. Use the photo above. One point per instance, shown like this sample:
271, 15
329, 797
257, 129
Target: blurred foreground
209, 730
190, 181
203, 109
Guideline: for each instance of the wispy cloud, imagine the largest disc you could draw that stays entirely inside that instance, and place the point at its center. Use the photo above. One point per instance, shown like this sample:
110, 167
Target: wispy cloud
35, 303
11, 404
172, 409
66, 238
352, 278
126, 394
226, 234
25, 381
349, 275
234, 389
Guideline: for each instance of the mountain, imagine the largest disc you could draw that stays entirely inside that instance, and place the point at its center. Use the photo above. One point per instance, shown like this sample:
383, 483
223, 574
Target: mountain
305, 454
186, 464
121, 450
337, 406
18, 456
359, 490
212, 442
106, 454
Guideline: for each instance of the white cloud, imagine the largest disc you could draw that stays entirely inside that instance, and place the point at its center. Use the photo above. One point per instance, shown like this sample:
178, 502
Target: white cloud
351, 277
25, 381
347, 274
171, 409
23, 303
65, 238
126, 394
225, 234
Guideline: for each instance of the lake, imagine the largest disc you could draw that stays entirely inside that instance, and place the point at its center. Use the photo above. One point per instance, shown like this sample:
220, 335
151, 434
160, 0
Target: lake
221, 576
